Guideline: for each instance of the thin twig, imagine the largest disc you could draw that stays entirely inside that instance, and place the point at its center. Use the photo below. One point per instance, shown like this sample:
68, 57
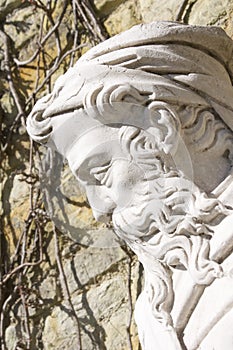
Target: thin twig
129, 289
75, 33
39, 56
8, 71
53, 70
90, 21
30, 172
43, 41
65, 288
24, 265
27, 225
180, 14
26, 313
2, 317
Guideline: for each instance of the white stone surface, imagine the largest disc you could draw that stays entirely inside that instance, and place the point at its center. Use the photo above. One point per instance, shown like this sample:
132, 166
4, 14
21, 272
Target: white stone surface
145, 121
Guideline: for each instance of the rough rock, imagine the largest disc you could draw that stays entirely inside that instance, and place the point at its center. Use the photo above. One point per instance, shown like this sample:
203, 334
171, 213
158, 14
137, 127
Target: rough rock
151, 10
86, 265
106, 7
124, 17
206, 13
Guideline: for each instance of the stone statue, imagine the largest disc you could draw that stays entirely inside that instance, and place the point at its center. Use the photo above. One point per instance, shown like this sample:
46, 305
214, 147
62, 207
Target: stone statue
145, 120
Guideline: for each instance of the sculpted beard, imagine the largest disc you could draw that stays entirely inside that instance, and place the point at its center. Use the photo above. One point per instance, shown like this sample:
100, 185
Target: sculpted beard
169, 216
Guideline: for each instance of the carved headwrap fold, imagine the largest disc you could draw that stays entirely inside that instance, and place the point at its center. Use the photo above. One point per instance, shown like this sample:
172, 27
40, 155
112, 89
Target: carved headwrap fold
161, 61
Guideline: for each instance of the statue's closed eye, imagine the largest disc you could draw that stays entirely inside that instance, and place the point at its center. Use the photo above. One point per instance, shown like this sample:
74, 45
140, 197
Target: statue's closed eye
103, 174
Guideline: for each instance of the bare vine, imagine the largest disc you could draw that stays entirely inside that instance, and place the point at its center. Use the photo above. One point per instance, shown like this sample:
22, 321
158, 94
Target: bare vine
27, 74
65, 289
129, 255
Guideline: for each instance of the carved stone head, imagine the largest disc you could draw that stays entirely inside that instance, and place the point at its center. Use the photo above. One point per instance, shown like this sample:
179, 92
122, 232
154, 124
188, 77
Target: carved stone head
145, 121
177, 75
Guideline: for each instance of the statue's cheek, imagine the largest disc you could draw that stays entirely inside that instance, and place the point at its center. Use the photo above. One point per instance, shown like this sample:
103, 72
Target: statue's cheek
126, 176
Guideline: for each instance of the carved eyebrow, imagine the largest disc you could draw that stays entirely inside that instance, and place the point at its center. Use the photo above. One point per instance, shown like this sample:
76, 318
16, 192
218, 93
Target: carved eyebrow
102, 168
102, 173
56, 111
87, 168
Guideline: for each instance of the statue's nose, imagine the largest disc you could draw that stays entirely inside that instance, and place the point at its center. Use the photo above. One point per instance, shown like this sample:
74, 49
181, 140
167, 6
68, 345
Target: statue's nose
38, 127
101, 203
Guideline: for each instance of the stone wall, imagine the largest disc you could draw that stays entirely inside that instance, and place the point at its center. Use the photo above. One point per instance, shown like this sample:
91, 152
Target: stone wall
68, 278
